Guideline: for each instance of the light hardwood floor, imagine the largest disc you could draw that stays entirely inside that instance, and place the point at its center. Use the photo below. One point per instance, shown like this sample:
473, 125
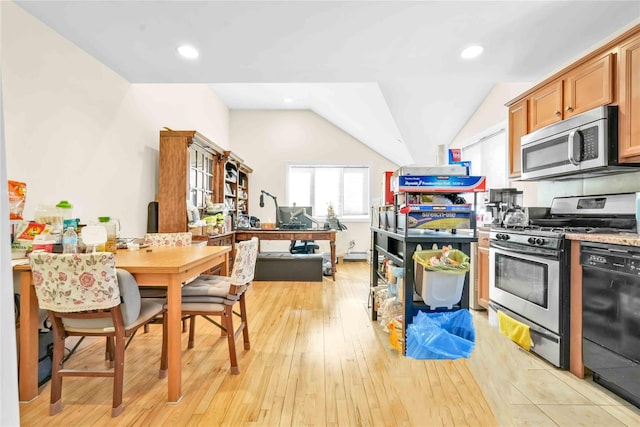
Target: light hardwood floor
317, 360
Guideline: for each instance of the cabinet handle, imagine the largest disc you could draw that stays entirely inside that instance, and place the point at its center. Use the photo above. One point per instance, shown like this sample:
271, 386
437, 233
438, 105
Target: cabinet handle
557, 113
569, 109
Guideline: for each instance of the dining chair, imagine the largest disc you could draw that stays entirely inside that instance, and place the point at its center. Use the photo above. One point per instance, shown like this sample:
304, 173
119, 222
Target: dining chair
210, 295
86, 295
163, 239
168, 239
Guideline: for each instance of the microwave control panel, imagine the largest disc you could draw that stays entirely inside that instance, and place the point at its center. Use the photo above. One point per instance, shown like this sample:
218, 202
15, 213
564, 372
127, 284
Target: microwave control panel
589, 146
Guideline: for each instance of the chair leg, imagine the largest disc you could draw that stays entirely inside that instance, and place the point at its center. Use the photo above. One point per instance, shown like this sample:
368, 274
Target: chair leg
184, 325
231, 338
245, 327
146, 328
55, 403
118, 376
192, 331
163, 356
109, 352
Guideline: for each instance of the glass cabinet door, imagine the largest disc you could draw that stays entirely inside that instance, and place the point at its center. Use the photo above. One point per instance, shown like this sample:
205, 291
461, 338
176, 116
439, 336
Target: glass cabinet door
200, 183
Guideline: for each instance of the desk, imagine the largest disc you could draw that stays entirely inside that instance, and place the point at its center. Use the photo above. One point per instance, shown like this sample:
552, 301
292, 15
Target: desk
281, 234
163, 266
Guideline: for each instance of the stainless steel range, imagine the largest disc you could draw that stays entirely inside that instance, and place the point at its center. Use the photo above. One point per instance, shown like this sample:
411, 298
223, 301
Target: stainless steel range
529, 266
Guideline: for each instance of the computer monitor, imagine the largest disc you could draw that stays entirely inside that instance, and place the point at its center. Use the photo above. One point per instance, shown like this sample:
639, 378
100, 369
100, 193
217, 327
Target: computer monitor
293, 217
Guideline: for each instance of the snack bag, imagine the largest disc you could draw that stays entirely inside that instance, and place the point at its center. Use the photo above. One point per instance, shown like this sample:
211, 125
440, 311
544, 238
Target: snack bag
25, 233
17, 199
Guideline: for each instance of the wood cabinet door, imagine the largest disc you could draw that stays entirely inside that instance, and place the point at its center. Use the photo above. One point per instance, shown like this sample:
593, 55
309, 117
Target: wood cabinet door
518, 121
629, 102
545, 106
588, 86
483, 276
173, 175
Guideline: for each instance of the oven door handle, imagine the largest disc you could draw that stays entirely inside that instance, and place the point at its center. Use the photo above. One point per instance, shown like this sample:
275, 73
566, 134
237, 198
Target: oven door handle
494, 244
532, 328
527, 251
571, 145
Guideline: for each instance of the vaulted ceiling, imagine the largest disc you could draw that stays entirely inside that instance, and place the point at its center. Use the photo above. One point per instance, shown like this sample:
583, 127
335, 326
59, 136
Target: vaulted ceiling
387, 72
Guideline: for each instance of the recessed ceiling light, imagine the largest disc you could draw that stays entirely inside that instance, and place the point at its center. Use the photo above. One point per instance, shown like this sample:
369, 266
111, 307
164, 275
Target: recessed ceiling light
288, 100
471, 52
189, 52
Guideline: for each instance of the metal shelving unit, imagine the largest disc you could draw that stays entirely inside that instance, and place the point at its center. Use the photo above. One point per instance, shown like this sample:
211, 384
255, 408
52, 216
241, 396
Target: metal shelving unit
399, 246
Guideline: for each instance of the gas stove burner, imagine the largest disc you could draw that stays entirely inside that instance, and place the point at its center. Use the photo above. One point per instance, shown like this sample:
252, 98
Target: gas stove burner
580, 230
516, 227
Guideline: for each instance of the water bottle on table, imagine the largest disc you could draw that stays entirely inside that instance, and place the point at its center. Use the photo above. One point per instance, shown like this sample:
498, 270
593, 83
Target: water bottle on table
70, 241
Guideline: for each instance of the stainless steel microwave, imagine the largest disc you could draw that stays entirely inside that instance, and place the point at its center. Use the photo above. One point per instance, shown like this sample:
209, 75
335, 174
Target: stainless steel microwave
582, 146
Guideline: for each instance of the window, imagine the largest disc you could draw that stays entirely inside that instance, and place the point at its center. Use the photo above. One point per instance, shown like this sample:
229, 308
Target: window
346, 188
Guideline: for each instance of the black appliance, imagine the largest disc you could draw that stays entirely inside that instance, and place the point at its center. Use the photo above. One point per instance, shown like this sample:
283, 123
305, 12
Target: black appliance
152, 217
611, 316
529, 266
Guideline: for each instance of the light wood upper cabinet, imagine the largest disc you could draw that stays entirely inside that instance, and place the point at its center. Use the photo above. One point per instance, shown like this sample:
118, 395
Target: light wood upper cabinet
574, 91
629, 101
588, 86
580, 89
518, 126
545, 106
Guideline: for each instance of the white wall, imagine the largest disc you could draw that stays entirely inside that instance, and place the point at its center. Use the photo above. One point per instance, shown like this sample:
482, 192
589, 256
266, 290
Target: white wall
76, 130
490, 112
267, 140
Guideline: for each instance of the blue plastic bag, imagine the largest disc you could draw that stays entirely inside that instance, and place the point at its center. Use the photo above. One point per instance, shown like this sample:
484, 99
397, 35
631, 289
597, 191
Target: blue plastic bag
443, 335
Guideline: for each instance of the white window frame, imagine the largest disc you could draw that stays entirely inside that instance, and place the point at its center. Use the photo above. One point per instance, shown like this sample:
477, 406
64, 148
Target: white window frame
320, 212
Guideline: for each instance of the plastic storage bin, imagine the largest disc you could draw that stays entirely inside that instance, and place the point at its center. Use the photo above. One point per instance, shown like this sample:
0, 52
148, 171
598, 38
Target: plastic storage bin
439, 289
443, 288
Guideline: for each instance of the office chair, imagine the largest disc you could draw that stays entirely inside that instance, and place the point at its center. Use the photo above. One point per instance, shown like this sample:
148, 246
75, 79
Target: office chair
305, 247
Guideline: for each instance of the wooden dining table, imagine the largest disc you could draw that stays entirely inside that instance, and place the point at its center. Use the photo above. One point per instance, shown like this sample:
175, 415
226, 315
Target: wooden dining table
154, 266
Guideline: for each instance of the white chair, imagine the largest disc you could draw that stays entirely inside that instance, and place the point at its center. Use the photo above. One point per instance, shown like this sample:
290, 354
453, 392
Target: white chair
210, 295
86, 296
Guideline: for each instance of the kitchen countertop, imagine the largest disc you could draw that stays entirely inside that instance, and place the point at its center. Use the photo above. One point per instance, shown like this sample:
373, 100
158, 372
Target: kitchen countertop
628, 239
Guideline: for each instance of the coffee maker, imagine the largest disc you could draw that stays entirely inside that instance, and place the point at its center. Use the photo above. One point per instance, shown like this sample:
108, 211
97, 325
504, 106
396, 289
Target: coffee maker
502, 201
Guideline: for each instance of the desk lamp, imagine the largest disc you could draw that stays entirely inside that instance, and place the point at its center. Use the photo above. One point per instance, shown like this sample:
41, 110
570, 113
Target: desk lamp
275, 200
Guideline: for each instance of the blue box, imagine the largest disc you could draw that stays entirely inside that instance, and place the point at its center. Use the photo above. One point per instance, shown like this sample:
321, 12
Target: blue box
443, 184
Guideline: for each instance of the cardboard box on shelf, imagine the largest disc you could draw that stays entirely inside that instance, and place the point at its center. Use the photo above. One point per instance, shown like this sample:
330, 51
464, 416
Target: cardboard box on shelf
440, 217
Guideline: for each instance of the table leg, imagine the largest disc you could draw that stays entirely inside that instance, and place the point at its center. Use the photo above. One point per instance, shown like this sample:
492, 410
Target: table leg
332, 244
174, 322
28, 369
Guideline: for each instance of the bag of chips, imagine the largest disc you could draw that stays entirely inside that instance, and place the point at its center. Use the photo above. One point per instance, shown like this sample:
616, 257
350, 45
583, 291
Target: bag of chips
17, 199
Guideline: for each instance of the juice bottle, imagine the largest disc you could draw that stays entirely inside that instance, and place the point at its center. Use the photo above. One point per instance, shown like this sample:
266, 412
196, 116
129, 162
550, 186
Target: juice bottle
112, 227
